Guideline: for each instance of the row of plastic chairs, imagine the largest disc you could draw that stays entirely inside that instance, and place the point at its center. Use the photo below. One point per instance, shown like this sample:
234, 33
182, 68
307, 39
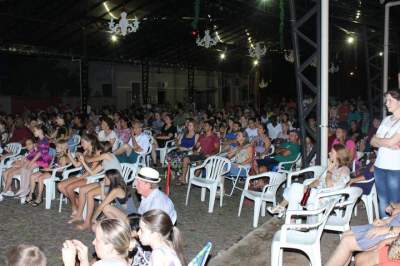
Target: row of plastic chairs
306, 236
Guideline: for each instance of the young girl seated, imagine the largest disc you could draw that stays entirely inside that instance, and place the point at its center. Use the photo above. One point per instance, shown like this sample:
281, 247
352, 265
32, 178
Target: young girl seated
61, 160
119, 194
42, 159
16, 168
158, 232
112, 242
88, 192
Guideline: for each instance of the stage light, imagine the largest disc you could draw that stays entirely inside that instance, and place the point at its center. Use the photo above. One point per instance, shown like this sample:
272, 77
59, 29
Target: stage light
380, 53
351, 73
222, 56
255, 62
114, 38
350, 40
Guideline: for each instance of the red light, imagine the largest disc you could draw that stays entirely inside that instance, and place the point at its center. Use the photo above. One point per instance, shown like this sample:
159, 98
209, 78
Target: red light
194, 33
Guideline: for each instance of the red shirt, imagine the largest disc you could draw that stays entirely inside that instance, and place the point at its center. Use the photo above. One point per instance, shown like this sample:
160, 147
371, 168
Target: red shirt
208, 144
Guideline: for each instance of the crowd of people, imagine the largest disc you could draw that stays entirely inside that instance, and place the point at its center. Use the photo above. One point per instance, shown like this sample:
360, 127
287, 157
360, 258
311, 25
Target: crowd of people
257, 141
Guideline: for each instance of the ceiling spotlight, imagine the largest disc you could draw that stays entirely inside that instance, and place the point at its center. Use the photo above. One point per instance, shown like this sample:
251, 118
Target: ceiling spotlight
255, 62
380, 53
114, 38
350, 39
222, 56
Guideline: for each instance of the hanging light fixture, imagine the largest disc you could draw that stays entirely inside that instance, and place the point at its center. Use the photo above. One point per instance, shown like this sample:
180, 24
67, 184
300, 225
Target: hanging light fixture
263, 84
333, 68
289, 56
257, 51
207, 41
123, 26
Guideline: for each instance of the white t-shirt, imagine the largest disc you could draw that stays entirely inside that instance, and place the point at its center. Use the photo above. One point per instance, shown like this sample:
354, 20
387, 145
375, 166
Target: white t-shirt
274, 132
101, 136
143, 140
251, 133
158, 200
388, 158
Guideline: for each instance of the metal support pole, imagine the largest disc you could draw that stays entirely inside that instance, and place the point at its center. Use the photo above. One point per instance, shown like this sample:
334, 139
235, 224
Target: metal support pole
191, 83
324, 33
386, 49
307, 82
145, 81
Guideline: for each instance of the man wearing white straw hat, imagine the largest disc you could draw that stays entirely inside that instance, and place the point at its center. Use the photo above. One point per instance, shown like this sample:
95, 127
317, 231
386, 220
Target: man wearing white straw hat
146, 183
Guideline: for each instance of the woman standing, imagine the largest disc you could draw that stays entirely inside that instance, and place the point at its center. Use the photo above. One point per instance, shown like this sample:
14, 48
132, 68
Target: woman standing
387, 164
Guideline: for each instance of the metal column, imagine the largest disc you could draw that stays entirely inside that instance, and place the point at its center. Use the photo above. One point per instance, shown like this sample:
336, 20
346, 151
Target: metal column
145, 81
372, 47
191, 83
308, 79
84, 73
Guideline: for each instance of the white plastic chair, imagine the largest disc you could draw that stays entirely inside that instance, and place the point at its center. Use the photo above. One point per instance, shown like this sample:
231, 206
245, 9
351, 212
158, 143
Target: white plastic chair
169, 145
129, 172
66, 174
317, 171
144, 159
76, 140
50, 185
148, 132
201, 258
215, 167
268, 194
370, 201
304, 237
340, 221
235, 179
15, 149
291, 164
271, 150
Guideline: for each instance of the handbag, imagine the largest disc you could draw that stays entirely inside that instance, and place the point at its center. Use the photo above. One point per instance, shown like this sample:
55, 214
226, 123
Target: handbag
394, 249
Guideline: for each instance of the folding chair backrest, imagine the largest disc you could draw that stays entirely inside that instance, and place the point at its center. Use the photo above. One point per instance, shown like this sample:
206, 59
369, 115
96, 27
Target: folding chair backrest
14, 147
148, 132
323, 217
53, 154
275, 178
216, 166
129, 171
201, 257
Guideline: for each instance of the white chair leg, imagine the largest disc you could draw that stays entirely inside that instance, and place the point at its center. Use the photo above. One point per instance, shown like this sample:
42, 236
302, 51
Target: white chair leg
241, 204
61, 200
256, 215
368, 209
375, 204
49, 194
263, 207
222, 192
187, 193
203, 194
213, 192
315, 256
275, 253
